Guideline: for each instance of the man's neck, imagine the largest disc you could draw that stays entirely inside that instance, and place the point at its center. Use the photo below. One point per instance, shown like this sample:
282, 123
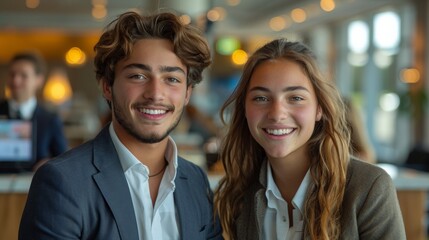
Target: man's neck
150, 154
25, 108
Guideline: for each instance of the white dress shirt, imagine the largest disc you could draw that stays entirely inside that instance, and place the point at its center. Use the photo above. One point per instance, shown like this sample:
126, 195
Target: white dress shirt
276, 219
158, 221
26, 109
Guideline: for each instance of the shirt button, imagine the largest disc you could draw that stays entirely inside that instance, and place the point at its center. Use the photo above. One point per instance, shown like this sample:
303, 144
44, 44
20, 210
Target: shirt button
284, 218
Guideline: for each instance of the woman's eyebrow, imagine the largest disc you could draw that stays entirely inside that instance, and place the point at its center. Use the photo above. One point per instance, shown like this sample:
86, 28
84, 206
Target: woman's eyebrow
286, 89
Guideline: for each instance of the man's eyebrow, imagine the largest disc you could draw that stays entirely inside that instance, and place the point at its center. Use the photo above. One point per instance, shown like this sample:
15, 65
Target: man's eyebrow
286, 89
172, 69
162, 68
139, 66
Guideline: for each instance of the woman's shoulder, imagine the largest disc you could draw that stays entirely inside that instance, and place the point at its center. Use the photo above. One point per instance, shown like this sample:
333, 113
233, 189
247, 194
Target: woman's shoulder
364, 176
359, 168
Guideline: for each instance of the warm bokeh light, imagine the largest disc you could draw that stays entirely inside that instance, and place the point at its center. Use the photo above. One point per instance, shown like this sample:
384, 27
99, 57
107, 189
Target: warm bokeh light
185, 19
216, 14
298, 15
57, 89
239, 57
213, 15
99, 2
7, 92
75, 56
277, 23
410, 75
233, 2
32, 3
52, 44
99, 11
327, 5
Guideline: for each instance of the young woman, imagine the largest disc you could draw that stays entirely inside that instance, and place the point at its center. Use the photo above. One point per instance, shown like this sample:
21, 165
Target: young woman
289, 174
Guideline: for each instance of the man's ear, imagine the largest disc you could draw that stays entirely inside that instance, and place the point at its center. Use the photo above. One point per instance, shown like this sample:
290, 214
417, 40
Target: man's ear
105, 88
188, 94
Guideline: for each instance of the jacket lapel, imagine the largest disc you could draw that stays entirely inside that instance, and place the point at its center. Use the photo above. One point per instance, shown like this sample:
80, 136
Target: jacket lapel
113, 185
185, 206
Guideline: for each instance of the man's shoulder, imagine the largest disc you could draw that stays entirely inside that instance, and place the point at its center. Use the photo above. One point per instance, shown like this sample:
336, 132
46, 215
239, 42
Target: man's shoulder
43, 111
186, 164
99, 147
77, 156
190, 169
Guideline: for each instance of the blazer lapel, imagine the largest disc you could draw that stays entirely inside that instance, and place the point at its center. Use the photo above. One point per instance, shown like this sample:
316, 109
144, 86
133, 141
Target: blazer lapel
185, 206
113, 185
36, 113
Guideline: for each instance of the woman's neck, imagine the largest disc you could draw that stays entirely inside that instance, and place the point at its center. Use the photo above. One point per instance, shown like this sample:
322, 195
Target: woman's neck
288, 173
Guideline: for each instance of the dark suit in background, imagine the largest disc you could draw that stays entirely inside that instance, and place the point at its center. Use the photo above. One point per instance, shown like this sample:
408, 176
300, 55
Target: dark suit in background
84, 194
50, 139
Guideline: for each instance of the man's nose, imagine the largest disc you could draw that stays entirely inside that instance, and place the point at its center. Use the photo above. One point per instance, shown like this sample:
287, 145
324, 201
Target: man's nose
154, 89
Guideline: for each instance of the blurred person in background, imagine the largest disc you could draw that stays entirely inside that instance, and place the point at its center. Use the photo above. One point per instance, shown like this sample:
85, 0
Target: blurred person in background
26, 75
360, 145
129, 182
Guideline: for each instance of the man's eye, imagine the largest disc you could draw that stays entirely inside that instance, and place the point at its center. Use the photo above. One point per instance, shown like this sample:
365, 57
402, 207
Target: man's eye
173, 80
140, 76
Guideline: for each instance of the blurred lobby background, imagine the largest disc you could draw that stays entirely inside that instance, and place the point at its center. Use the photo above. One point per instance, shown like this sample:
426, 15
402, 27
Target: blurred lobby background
376, 51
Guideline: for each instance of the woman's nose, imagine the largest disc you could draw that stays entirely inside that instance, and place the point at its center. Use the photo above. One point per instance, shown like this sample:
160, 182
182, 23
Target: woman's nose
277, 111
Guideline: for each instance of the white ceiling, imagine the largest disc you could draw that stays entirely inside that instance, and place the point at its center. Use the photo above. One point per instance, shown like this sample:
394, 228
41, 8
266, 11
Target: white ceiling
248, 17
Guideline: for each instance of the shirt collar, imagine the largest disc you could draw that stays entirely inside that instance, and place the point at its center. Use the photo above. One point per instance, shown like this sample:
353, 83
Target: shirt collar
128, 160
273, 191
26, 108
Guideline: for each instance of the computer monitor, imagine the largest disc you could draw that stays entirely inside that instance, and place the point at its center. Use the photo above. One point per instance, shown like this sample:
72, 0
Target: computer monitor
17, 145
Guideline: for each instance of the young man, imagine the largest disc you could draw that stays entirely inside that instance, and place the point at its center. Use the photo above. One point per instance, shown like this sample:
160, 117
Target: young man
128, 182
25, 78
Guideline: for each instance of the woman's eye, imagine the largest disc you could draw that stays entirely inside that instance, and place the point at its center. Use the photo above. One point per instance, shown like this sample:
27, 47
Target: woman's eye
296, 99
260, 99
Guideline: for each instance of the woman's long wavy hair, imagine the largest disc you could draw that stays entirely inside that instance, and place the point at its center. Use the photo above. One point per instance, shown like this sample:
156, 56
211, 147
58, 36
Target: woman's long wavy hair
242, 156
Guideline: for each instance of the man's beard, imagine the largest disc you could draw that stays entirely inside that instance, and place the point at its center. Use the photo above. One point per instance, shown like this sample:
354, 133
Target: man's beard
133, 131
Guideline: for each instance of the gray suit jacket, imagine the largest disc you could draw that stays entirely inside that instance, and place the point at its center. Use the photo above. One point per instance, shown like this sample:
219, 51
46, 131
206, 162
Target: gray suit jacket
370, 208
83, 194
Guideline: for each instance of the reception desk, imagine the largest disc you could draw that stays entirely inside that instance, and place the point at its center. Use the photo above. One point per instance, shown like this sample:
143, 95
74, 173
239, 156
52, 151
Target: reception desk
13, 194
412, 188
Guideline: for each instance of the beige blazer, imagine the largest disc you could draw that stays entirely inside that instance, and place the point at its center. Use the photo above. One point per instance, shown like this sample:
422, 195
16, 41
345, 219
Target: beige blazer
370, 208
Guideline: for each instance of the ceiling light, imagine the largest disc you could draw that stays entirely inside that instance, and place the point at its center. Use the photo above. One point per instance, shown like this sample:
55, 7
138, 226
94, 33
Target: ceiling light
327, 5
32, 3
277, 23
298, 15
75, 56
